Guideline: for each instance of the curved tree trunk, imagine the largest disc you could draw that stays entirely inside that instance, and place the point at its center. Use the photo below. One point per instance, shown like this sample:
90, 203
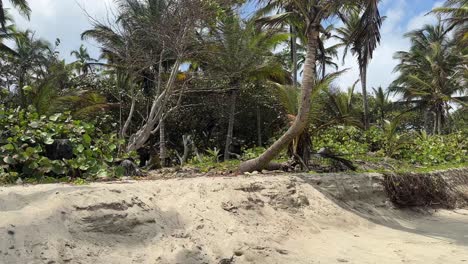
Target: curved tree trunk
364, 97
230, 132
308, 84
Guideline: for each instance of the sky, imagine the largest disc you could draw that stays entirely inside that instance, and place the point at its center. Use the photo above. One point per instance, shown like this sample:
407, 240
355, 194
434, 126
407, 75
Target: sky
67, 19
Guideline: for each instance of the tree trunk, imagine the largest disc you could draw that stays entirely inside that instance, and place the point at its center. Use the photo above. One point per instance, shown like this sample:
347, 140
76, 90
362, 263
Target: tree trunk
364, 97
308, 84
292, 30
21, 82
439, 121
230, 131
138, 139
259, 128
123, 132
162, 143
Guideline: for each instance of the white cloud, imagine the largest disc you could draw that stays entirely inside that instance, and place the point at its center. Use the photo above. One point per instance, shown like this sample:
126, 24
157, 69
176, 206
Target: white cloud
423, 18
64, 19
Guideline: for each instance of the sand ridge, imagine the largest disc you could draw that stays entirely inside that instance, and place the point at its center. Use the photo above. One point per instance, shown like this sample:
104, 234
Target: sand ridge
247, 219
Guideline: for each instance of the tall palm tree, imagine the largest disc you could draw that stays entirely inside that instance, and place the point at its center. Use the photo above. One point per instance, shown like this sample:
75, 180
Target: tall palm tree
239, 52
432, 73
21, 5
361, 48
311, 13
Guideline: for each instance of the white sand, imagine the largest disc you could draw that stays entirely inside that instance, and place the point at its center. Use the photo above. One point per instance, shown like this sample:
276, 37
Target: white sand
261, 219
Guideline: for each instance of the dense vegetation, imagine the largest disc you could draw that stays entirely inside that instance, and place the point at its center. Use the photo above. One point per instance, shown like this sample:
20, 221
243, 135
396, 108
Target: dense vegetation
193, 82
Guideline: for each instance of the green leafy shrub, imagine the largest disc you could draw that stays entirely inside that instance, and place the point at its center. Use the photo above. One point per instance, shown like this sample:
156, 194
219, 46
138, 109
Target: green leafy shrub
349, 141
413, 147
24, 135
436, 149
252, 153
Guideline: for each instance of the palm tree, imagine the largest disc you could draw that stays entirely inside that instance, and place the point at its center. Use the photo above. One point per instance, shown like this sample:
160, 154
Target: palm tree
311, 14
431, 73
30, 57
289, 97
21, 5
7, 33
240, 53
382, 103
326, 56
457, 17
83, 60
362, 48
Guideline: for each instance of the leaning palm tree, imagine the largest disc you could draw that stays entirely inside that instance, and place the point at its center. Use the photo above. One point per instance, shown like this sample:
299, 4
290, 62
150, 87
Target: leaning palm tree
21, 5
432, 73
289, 97
312, 13
361, 48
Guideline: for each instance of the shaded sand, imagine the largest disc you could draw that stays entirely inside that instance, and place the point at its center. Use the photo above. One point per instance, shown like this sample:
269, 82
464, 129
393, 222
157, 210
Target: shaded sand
255, 219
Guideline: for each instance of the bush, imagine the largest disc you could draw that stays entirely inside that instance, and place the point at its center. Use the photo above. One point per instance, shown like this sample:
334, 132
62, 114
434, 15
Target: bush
25, 136
349, 141
430, 150
413, 147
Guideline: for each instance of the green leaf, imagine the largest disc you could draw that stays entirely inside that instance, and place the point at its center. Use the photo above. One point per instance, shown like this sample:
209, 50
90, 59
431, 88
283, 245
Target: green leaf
9, 160
112, 147
48, 141
34, 124
8, 147
87, 139
80, 148
108, 158
55, 117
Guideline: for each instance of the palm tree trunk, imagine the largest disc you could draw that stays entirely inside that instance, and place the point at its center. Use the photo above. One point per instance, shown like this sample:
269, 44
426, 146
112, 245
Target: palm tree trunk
364, 97
308, 84
162, 143
439, 121
232, 113
292, 30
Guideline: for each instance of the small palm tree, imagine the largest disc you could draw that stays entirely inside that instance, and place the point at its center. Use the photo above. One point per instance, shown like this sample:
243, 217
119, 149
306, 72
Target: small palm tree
21, 5
382, 103
83, 60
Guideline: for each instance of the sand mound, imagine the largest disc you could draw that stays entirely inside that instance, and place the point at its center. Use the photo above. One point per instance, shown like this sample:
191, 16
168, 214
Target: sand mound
274, 219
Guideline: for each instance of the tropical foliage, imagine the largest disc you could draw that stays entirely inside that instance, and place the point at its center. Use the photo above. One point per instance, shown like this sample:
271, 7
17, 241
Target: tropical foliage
196, 82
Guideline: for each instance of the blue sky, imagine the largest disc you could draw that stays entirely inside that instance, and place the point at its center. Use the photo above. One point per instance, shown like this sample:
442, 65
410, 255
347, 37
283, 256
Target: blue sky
66, 19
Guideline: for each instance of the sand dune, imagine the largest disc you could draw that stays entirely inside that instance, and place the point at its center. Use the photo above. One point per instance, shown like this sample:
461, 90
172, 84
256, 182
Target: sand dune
251, 219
